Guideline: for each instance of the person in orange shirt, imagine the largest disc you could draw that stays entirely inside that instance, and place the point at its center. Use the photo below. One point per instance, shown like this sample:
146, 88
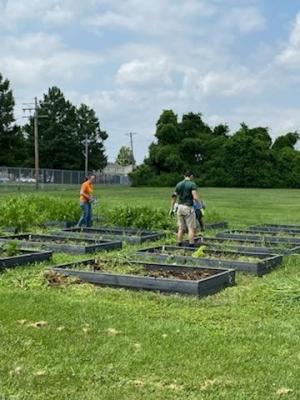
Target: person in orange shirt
86, 200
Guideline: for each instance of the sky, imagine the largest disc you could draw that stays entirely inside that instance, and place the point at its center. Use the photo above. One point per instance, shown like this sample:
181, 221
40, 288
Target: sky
232, 60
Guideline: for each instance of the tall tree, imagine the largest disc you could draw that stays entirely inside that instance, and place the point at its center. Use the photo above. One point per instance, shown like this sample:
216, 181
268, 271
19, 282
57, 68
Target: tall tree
167, 129
58, 145
125, 157
88, 126
11, 138
62, 132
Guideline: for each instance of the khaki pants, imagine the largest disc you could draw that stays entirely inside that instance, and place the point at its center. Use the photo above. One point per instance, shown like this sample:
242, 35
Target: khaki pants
186, 217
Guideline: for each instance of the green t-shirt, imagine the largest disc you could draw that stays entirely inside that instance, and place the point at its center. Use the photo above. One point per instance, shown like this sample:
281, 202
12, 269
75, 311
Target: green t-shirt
184, 191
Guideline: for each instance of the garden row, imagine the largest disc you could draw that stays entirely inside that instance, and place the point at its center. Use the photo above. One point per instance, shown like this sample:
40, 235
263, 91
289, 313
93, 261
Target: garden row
200, 270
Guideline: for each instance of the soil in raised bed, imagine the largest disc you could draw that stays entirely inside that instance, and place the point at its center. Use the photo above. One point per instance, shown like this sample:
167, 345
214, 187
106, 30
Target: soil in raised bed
187, 276
129, 269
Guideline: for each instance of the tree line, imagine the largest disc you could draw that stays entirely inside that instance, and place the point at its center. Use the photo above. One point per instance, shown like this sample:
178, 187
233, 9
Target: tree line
62, 127
247, 158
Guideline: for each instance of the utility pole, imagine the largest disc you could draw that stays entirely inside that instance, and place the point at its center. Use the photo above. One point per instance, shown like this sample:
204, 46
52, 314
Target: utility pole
130, 134
34, 107
36, 144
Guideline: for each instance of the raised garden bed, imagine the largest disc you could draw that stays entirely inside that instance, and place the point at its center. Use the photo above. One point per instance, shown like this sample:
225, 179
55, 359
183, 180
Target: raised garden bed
216, 225
276, 229
291, 226
22, 257
254, 246
245, 261
128, 235
265, 237
65, 245
59, 224
196, 281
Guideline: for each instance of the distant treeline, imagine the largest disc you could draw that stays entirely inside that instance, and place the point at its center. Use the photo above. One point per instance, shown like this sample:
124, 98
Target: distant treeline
247, 158
62, 131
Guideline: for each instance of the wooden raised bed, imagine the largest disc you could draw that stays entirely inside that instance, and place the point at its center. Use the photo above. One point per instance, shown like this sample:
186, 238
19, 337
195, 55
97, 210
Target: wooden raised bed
216, 225
251, 235
58, 224
260, 265
60, 244
196, 281
26, 257
291, 226
254, 246
128, 235
275, 229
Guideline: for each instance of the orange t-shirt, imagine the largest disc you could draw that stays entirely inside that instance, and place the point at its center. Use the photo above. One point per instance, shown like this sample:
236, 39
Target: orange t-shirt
86, 188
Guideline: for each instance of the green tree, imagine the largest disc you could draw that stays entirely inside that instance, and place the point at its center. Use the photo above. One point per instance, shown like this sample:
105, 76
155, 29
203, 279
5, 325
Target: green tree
125, 157
11, 138
221, 130
88, 126
62, 132
167, 128
248, 159
192, 125
289, 140
244, 159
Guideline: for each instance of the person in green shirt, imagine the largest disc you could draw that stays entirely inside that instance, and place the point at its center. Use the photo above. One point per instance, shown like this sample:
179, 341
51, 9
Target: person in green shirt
186, 193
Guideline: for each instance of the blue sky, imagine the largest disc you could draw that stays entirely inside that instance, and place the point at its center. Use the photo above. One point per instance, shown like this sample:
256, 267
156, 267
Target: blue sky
232, 60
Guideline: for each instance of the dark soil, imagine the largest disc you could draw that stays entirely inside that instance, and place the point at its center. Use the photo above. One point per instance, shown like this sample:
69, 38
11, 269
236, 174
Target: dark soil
187, 276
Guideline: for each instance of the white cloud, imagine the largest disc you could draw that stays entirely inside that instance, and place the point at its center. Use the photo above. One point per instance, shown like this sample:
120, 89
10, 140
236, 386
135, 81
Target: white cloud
218, 83
58, 15
246, 19
153, 18
40, 59
290, 56
150, 72
53, 12
131, 59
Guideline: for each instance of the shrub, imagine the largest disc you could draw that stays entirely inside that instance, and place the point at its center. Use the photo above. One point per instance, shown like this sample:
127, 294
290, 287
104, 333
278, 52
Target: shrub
139, 217
25, 211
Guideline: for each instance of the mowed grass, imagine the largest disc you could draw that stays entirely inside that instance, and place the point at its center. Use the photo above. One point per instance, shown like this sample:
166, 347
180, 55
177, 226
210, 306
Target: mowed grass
103, 343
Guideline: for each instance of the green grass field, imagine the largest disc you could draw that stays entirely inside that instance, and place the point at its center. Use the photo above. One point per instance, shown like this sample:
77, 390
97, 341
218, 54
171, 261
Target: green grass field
102, 343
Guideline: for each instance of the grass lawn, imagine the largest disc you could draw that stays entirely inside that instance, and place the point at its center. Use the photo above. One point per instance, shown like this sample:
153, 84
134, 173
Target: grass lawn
102, 343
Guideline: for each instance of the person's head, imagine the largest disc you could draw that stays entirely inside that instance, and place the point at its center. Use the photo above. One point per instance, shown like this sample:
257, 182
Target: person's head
92, 178
189, 175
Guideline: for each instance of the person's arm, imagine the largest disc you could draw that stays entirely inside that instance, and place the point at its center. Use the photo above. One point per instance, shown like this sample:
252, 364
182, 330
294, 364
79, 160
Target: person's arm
84, 194
195, 195
173, 201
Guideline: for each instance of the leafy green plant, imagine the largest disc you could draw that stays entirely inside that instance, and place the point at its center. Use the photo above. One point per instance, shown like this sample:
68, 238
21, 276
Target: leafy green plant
10, 249
200, 252
25, 211
139, 217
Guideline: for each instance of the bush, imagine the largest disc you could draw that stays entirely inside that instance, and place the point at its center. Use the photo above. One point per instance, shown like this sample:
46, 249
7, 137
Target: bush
25, 211
139, 217
148, 218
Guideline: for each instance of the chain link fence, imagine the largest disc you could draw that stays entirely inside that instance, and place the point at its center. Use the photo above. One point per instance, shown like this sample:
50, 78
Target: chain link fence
48, 177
